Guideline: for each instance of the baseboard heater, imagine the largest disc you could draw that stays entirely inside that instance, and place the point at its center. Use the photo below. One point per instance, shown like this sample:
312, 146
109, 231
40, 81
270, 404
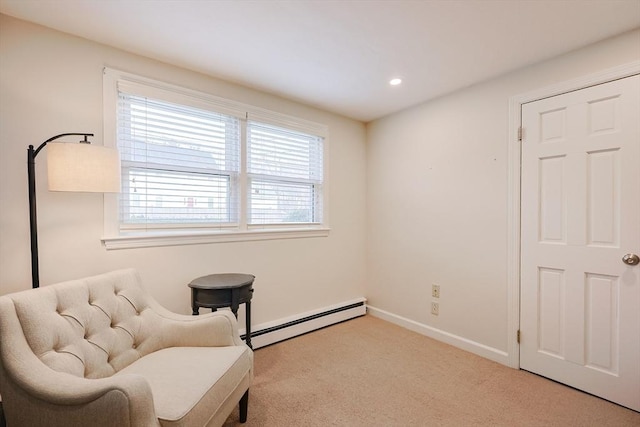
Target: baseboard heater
272, 332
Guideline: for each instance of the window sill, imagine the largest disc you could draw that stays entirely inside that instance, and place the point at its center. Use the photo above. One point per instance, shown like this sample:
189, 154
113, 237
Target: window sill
150, 240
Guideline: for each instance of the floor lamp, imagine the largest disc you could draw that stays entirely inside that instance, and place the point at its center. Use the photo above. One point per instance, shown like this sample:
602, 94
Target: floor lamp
80, 167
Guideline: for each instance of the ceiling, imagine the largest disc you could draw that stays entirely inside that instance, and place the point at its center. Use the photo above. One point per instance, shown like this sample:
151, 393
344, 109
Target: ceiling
340, 55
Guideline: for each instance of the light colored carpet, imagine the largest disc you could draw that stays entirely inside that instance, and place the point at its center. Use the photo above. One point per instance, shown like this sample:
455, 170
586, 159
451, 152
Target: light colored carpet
368, 372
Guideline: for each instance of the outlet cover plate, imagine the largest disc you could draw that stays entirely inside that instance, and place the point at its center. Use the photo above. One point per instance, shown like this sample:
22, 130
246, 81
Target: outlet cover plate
435, 291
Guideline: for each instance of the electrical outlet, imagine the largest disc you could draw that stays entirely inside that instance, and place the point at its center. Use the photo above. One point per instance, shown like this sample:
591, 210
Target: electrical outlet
435, 291
435, 308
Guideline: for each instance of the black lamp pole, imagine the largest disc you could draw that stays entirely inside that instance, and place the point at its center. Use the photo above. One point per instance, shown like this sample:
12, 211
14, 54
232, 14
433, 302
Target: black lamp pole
31, 174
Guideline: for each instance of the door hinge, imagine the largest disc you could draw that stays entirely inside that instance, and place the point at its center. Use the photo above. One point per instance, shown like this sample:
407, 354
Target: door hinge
518, 336
520, 133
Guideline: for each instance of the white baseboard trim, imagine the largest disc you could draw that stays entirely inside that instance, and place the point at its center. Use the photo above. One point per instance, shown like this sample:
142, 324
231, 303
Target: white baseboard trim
437, 334
279, 330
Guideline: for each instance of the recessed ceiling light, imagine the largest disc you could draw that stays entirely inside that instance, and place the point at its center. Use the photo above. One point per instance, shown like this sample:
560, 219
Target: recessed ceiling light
395, 82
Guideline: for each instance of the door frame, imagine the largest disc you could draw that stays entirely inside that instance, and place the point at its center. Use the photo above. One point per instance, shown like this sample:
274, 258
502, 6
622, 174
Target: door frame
513, 181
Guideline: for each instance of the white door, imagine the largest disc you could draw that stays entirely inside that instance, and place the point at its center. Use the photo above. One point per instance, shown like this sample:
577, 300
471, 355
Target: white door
580, 302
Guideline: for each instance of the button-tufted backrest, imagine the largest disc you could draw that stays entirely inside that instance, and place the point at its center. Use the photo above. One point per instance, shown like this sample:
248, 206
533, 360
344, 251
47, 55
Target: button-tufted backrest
91, 327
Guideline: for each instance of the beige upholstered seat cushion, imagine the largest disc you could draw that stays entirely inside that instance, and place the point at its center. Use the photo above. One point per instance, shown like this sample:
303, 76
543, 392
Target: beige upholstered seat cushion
182, 381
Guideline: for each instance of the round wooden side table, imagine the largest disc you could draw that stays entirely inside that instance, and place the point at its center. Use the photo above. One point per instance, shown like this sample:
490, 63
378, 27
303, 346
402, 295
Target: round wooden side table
224, 290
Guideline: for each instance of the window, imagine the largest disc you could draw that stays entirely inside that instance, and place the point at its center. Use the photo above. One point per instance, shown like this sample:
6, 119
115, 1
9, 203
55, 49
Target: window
197, 165
285, 173
184, 157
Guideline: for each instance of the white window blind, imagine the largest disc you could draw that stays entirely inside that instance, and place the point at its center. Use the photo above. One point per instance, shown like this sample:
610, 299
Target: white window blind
285, 170
180, 164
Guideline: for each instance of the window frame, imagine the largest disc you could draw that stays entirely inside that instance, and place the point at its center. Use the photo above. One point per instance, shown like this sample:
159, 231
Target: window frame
118, 235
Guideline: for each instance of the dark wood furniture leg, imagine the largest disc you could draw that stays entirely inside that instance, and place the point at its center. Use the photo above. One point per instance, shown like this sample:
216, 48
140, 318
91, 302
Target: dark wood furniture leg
194, 304
235, 302
248, 324
244, 406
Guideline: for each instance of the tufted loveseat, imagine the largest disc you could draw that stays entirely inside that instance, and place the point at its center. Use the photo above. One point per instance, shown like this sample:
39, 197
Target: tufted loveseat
101, 352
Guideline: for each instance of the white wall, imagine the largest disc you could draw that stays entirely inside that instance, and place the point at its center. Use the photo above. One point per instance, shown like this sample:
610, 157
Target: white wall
51, 83
437, 200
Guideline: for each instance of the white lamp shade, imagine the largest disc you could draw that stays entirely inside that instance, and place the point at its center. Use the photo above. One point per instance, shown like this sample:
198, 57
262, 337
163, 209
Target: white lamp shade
83, 167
